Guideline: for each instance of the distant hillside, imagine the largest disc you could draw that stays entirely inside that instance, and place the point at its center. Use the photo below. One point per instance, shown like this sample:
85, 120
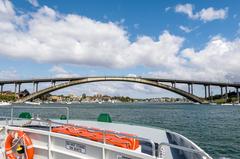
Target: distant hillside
232, 97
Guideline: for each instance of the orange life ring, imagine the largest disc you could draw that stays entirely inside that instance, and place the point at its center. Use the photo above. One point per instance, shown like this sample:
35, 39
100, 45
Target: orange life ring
19, 135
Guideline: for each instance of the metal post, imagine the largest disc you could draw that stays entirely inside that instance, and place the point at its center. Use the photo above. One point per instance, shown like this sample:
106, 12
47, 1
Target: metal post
237, 95
12, 115
205, 88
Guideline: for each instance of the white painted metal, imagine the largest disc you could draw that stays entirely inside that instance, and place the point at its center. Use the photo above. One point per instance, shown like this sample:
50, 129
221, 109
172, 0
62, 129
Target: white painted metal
49, 145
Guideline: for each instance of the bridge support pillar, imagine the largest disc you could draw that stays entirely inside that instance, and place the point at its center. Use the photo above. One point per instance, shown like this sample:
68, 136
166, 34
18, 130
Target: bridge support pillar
226, 95
221, 91
191, 88
209, 92
1, 88
33, 87
53, 83
36, 87
15, 88
237, 95
174, 84
205, 90
19, 88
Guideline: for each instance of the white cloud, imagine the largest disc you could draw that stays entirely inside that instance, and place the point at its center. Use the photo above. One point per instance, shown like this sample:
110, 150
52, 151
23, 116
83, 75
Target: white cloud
167, 9
59, 71
185, 29
48, 36
206, 14
210, 14
8, 74
186, 9
34, 2
51, 37
217, 61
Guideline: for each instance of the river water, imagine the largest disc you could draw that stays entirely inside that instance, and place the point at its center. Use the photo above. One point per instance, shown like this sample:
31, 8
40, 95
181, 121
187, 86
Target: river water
216, 129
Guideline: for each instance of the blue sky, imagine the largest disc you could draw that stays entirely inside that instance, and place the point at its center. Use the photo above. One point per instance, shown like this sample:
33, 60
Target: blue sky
166, 39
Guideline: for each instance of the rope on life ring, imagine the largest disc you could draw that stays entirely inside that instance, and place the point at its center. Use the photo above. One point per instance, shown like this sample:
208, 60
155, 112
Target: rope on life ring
18, 135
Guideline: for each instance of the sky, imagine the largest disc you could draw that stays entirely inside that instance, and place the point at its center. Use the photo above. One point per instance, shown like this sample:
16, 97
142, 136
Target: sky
197, 40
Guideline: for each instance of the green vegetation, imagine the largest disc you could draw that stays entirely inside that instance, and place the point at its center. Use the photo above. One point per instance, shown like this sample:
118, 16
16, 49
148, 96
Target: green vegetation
232, 98
123, 99
7, 97
84, 96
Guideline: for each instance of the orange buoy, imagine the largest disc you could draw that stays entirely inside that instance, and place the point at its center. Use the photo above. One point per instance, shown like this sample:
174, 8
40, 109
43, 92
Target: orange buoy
18, 135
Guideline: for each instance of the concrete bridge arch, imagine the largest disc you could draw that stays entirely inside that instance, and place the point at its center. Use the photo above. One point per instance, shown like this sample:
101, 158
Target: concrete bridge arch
124, 79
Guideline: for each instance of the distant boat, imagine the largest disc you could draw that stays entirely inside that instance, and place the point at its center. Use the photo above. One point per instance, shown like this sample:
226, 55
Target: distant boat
196, 103
5, 103
227, 104
32, 103
236, 104
213, 103
68, 102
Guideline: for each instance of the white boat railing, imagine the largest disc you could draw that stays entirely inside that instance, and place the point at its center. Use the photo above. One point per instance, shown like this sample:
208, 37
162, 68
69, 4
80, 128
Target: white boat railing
202, 153
51, 124
37, 107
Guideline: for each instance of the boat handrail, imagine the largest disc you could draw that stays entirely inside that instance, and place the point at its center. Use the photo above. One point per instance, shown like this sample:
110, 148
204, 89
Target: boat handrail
39, 107
50, 123
183, 149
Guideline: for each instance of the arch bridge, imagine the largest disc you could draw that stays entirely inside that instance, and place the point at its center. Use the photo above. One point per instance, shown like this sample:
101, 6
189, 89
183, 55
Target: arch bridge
167, 84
